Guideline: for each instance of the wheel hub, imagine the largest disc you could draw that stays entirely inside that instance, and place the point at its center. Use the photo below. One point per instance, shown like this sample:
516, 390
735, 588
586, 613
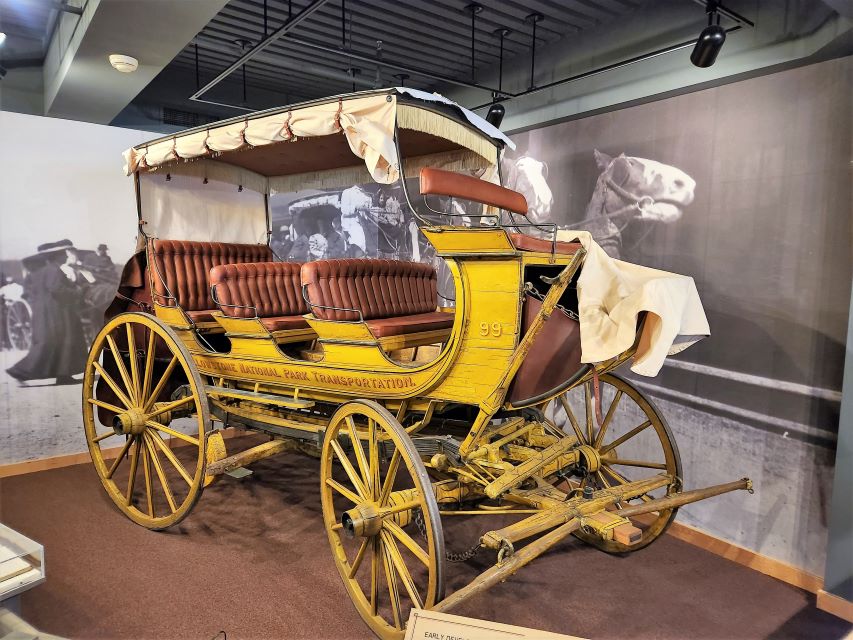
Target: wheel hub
130, 422
364, 521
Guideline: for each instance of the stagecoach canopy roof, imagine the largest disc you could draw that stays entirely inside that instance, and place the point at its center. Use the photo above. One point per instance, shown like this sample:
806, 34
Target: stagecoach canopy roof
253, 145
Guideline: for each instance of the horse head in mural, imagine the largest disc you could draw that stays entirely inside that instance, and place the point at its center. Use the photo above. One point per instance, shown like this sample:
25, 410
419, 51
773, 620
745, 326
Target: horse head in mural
633, 189
529, 176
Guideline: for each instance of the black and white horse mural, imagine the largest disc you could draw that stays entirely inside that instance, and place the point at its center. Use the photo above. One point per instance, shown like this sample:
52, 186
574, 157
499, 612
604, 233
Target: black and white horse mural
630, 197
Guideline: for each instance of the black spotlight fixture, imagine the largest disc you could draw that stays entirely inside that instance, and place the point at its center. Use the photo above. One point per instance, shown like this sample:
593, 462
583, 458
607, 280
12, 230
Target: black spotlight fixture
710, 40
496, 112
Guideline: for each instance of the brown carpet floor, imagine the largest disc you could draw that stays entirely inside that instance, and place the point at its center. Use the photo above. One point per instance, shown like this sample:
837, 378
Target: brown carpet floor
253, 560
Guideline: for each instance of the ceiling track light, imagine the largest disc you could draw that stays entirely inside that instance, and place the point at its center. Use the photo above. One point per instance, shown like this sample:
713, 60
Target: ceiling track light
711, 39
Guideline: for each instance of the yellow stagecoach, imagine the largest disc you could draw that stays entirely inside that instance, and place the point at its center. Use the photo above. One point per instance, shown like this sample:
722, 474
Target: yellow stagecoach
419, 413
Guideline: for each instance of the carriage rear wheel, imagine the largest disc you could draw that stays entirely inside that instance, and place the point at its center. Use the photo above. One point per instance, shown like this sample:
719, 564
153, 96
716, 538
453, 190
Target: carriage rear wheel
381, 517
19, 325
632, 443
151, 455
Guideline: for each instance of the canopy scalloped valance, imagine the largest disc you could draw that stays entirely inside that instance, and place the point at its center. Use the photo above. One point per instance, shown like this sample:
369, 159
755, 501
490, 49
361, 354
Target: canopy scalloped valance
366, 122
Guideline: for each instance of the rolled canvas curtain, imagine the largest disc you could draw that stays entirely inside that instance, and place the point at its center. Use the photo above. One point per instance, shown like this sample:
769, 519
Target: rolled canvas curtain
367, 123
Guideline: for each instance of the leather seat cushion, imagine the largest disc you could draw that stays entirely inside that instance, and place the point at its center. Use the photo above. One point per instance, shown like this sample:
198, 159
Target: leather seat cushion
401, 325
524, 242
182, 268
271, 289
377, 288
202, 315
284, 323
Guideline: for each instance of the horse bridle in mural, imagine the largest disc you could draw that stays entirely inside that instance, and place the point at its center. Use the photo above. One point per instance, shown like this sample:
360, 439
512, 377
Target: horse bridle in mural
635, 205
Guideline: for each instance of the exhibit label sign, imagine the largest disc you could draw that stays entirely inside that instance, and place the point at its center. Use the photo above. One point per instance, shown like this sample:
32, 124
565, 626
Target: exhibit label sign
433, 625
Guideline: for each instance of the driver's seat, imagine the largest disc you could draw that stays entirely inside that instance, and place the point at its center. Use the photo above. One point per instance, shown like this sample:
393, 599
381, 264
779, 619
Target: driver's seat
456, 185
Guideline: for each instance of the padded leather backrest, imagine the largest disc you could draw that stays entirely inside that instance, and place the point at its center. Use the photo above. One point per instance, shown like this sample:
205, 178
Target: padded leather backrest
185, 267
448, 183
377, 288
272, 288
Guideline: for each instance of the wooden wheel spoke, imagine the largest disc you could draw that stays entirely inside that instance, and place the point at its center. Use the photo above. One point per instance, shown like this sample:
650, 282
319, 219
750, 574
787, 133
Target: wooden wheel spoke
171, 406
134, 465
172, 432
156, 439
146, 467
359, 556
160, 474
604, 480
571, 416
374, 576
111, 471
391, 580
350, 470
122, 369
112, 385
587, 398
360, 456
622, 439
104, 436
160, 384
402, 570
149, 367
388, 483
610, 411
134, 363
637, 463
346, 493
374, 457
407, 540
105, 405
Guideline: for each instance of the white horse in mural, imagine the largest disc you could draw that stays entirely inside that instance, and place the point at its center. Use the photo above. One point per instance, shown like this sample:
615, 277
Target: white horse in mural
628, 189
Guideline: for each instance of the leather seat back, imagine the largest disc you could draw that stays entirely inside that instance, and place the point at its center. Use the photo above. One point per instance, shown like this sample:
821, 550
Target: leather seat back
272, 288
182, 268
377, 288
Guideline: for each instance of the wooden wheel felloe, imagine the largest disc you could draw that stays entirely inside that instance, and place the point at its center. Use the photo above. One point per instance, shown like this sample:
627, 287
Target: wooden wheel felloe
381, 517
633, 442
151, 469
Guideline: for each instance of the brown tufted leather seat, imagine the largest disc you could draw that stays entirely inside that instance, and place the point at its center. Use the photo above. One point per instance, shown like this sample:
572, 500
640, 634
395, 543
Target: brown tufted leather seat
182, 268
524, 242
269, 289
394, 297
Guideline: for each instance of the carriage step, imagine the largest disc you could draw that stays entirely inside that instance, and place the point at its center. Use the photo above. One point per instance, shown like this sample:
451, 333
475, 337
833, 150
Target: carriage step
261, 398
239, 472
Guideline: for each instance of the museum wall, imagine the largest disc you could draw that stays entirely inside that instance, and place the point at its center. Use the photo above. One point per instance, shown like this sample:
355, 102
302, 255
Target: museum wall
59, 179
757, 173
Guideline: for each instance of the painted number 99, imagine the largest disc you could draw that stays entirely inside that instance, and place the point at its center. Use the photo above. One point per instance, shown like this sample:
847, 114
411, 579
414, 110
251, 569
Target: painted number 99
494, 329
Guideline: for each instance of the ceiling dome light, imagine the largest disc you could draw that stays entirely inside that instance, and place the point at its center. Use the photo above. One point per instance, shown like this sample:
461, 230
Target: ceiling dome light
495, 114
125, 64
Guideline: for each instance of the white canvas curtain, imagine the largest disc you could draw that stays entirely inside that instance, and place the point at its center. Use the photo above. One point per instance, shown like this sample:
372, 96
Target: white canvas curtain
184, 208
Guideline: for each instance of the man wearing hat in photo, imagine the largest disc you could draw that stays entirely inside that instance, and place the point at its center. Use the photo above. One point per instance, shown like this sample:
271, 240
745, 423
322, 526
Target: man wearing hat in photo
58, 348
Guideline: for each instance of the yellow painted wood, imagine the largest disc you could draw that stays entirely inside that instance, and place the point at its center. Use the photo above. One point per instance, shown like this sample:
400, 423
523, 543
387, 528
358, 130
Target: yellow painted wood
469, 240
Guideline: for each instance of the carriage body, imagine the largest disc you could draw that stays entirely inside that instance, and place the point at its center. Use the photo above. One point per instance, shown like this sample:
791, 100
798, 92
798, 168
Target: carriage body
415, 409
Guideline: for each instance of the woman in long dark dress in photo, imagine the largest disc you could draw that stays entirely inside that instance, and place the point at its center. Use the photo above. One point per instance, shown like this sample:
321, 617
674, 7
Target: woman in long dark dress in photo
58, 348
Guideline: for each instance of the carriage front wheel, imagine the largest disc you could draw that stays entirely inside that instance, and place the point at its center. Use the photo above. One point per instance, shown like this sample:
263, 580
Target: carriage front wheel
633, 442
146, 418
19, 325
381, 517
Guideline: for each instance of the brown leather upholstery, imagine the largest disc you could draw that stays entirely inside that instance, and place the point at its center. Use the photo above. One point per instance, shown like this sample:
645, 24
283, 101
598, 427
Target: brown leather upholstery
269, 289
447, 183
384, 327
524, 242
394, 297
182, 268
272, 288
553, 359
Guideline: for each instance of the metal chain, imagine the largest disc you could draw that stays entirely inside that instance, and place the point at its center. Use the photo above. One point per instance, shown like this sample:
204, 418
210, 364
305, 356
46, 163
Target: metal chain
531, 291
448, 555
